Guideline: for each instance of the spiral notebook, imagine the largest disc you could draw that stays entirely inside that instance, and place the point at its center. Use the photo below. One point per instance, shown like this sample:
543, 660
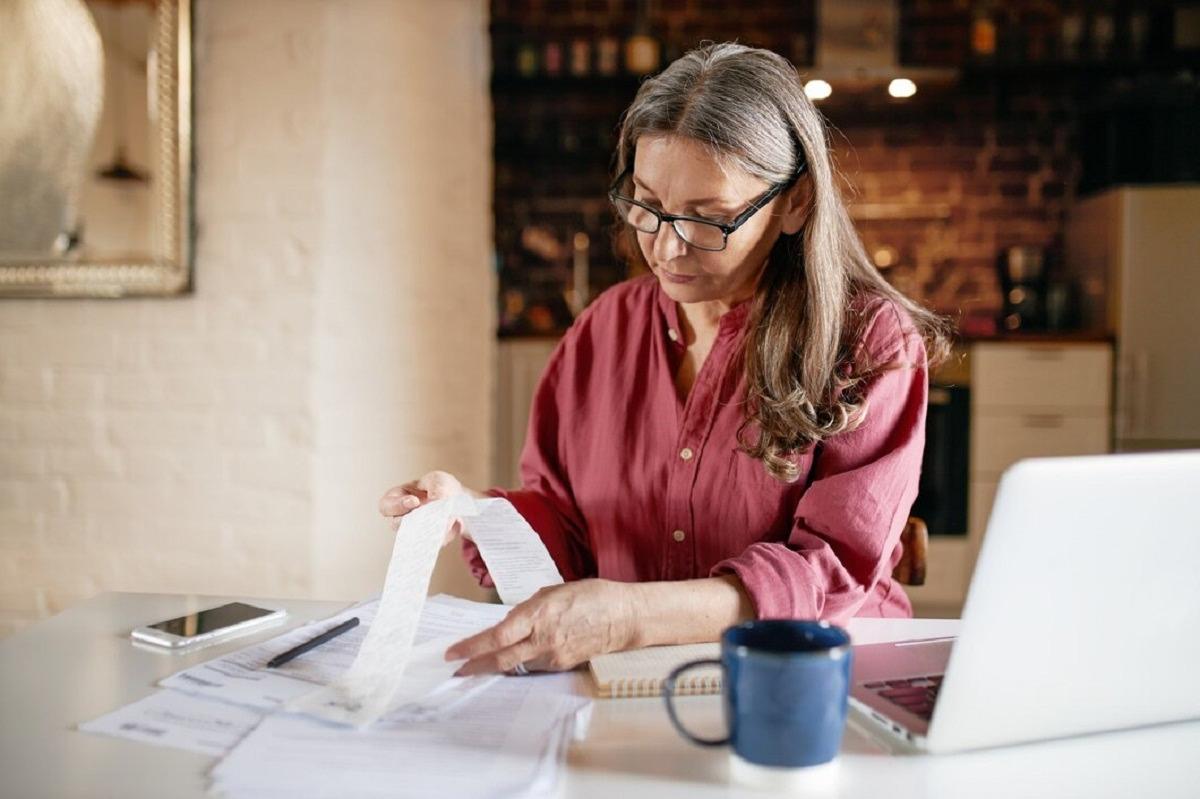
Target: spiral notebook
641, 672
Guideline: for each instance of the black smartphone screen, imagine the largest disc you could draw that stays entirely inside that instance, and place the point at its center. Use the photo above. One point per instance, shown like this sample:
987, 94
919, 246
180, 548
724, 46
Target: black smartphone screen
212, 619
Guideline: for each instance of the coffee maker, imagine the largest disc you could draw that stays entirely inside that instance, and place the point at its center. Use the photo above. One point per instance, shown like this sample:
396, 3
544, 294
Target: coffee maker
1022, 272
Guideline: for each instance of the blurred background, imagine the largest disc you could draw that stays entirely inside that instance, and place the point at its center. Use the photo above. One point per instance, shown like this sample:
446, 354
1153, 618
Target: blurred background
396, 207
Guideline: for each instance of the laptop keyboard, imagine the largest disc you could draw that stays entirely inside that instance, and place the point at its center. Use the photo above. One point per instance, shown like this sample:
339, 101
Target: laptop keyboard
917, 695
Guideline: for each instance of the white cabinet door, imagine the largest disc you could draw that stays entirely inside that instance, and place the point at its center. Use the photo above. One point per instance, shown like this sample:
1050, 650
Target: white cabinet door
519, 368
1004, 438
1028, 401
1059, 376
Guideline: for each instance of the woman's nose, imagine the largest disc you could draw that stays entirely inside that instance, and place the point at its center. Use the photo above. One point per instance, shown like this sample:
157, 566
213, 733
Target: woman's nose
667, 244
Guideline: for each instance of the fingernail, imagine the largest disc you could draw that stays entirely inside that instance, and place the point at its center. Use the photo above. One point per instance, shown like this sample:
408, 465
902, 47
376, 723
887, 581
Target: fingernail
411, 501
462, 672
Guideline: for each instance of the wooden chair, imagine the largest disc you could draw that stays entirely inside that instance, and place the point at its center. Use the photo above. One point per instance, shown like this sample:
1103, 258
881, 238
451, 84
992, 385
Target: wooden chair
915, 538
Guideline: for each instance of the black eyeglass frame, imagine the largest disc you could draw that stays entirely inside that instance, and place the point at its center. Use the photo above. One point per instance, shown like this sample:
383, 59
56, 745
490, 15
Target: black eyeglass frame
756, 205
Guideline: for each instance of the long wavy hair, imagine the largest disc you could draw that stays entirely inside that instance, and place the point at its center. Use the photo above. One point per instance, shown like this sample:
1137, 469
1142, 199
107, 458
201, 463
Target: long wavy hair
805, 375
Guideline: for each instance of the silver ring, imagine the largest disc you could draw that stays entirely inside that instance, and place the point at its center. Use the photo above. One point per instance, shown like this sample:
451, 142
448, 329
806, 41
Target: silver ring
520, 670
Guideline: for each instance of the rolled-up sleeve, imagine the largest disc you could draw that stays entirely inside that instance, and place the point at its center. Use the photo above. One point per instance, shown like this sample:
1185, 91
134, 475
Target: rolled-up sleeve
545, 498
848, 522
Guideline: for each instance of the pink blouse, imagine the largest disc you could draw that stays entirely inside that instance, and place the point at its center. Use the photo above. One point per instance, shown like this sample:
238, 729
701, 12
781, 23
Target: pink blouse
624, 480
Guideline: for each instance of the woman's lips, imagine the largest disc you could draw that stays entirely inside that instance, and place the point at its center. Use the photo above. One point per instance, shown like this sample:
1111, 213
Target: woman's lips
674, 278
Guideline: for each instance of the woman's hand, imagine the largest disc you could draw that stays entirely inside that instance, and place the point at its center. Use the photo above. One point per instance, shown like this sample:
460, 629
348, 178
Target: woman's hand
556, 629
404, 498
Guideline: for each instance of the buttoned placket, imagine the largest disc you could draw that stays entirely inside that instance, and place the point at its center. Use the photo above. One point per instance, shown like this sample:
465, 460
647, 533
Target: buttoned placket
696, 423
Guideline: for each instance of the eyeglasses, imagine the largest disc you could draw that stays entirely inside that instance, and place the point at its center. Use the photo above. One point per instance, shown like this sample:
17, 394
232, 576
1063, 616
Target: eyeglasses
695, 231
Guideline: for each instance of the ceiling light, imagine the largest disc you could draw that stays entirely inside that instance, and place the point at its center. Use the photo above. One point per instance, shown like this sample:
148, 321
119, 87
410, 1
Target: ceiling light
817, 89
902, 87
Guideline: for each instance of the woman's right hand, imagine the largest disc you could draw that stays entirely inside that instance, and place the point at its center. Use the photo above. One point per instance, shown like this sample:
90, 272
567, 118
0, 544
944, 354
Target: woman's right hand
402, 499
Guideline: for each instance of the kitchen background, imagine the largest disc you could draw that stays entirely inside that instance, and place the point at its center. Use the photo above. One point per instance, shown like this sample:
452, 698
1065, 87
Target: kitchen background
1020, 108
969, 195
400, 205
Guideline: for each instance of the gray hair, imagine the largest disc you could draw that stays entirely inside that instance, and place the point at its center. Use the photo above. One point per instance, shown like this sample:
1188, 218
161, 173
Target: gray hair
749, 108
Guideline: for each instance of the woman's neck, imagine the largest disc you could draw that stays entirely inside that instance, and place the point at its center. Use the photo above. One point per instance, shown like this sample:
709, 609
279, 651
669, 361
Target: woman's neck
700, 320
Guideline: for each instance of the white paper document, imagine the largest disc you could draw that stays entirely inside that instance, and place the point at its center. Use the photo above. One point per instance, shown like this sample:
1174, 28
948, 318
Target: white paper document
288, 731
516, 558
366, 690
171, 718
186, 718
507, 741
243, 676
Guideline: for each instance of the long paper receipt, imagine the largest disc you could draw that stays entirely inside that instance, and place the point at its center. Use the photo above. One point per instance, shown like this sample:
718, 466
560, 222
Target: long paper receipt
517, 561
516, 558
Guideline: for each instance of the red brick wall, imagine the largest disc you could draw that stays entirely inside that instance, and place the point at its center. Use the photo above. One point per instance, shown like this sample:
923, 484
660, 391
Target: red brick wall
989, 162
1004, 177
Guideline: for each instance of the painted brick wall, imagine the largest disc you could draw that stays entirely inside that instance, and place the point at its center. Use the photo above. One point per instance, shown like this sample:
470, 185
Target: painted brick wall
209, 443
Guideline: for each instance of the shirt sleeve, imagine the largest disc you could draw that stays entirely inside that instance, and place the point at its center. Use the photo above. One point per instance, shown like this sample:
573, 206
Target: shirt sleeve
848, 522
545, 498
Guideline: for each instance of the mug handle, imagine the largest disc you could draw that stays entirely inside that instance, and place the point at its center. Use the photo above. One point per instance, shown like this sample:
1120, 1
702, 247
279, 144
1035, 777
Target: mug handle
669, 696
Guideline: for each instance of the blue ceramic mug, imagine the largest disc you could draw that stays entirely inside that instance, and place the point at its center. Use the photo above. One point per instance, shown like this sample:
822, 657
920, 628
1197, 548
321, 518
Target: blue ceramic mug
785, 685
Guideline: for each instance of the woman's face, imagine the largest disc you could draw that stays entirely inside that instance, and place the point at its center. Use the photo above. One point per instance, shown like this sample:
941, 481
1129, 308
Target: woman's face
678, 175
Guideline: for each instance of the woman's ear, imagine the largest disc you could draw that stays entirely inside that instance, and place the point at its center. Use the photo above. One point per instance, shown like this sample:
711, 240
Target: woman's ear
797, 203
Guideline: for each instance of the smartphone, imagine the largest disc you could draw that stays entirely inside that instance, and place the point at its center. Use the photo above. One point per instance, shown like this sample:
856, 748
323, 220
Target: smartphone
207, 625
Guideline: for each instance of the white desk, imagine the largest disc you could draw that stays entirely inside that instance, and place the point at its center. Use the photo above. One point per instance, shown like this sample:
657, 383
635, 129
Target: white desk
80, 664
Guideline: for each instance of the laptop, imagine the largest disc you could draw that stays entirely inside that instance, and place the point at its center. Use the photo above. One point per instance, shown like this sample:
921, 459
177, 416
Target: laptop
1083, 614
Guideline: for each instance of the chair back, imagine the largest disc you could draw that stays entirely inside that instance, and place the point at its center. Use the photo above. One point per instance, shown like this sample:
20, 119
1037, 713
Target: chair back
915, 540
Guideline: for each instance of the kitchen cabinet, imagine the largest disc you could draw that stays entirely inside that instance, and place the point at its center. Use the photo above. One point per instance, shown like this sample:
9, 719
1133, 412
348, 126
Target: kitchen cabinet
519, 365
1133, 251
1028, 399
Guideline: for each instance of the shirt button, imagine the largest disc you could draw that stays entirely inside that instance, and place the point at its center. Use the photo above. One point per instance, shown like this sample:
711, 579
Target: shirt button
679, 535
686, 453
671, 334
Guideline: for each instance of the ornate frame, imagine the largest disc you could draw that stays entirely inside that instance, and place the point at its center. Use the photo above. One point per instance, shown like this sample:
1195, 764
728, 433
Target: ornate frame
169, 270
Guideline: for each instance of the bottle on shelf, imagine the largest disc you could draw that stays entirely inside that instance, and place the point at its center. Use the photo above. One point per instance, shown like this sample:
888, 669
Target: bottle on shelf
1103, 32
641, 54
1011, 41
642, 51
983, 33
1139, 30
527, 59
608, 55
581, 57
1041, 32
1071, 35
552, 59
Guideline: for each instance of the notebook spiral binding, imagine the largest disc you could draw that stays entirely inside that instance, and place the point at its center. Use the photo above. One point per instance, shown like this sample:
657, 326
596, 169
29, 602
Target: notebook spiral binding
685, 686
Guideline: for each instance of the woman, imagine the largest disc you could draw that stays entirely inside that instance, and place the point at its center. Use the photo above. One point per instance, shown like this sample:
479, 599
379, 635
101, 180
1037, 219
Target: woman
737, 434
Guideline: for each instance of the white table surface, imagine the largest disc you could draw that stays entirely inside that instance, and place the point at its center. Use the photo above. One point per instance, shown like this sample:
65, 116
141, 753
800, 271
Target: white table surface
80, 665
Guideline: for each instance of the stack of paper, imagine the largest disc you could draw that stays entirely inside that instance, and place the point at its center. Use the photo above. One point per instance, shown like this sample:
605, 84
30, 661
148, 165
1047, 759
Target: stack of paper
243, 678
378, 710
513, 731
509, 740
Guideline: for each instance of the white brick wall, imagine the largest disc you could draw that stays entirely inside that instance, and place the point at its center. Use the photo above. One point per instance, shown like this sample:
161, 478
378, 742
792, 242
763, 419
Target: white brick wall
339, 339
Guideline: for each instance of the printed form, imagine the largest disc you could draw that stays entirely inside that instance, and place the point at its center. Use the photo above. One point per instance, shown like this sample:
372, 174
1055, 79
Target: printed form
388, 677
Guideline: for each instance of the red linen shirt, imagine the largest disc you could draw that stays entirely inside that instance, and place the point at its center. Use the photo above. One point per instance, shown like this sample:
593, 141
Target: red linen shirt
622, 479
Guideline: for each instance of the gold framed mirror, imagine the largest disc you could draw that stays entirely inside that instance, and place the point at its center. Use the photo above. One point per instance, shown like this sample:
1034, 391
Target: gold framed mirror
95, 148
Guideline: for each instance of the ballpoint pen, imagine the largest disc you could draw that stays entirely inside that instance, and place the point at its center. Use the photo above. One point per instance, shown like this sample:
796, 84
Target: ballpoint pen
328, 635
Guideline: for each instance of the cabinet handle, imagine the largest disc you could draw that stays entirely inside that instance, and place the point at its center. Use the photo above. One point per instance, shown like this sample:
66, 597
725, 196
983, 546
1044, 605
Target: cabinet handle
1045, 353
1042, 420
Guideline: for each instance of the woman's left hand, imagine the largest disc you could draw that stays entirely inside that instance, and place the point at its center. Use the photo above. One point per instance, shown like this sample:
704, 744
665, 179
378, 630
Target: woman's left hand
556, 629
